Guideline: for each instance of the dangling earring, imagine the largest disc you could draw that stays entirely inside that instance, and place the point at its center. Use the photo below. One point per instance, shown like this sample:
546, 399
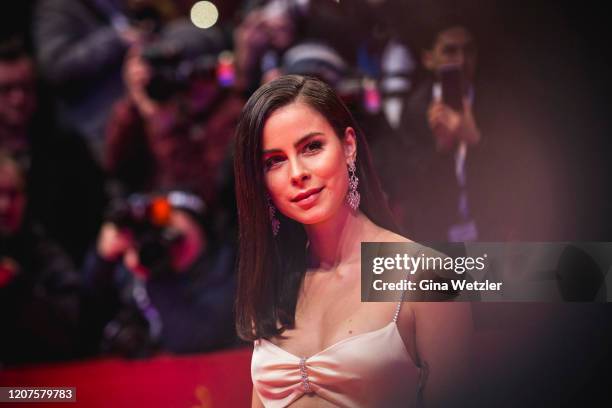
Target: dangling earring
274, 222
353, 197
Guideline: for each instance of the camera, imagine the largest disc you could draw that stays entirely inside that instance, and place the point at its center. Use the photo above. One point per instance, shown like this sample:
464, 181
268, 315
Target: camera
147, 217
173, 71
135, 331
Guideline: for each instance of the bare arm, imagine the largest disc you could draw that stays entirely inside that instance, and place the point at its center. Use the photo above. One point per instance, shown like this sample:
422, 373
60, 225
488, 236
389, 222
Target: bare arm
443, 337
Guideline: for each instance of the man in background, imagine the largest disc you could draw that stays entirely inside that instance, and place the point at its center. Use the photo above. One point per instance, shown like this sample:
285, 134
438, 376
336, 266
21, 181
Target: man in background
159, 279
432, 154
64, 183
39, 286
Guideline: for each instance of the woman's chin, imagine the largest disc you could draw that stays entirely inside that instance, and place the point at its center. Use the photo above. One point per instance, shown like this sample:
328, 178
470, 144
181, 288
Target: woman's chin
320, 212
309, 217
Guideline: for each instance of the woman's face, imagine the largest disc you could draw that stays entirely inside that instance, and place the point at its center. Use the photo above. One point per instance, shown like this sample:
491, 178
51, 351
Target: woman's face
305, 163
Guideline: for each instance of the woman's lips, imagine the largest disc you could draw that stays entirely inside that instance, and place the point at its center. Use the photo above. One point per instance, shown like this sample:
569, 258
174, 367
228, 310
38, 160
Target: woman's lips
307, 198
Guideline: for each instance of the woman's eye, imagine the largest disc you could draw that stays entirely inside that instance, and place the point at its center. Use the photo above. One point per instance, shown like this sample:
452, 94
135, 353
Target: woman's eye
313, 146
272, 162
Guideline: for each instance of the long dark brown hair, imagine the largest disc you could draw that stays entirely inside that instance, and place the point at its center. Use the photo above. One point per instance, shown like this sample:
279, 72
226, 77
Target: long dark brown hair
271, 269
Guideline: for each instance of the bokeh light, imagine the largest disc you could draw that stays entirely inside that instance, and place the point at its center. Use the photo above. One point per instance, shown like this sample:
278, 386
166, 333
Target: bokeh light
204, 14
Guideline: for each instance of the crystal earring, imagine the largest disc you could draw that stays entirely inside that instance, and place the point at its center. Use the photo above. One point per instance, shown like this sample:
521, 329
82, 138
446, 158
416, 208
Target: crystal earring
353, 197
274, 222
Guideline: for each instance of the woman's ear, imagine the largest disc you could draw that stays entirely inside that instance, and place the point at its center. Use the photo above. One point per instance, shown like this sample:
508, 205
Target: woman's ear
350, 145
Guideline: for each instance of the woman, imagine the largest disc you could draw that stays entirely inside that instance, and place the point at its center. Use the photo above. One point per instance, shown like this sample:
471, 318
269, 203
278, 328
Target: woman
307, 198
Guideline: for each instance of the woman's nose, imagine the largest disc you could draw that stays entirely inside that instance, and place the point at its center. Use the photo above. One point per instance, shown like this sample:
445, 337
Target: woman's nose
299, 174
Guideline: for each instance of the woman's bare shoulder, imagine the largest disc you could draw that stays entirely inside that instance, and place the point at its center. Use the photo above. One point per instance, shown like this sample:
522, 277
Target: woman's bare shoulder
387, 236
384, 235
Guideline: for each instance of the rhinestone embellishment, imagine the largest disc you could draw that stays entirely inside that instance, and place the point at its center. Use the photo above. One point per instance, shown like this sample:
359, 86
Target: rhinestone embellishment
304, 373
353, 197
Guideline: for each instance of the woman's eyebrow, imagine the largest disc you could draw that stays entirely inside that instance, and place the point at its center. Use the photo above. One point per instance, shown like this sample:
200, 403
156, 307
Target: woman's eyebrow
296, 144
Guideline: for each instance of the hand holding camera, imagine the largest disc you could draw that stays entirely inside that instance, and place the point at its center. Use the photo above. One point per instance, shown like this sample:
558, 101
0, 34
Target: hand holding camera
136, 75
444, 123
152, 233
113, 242
450, 114
451, 127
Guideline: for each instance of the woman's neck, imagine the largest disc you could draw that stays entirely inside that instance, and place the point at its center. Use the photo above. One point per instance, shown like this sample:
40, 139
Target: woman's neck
338, 239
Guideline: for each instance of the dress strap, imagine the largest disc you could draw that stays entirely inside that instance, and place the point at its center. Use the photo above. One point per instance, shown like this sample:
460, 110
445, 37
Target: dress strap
398, 308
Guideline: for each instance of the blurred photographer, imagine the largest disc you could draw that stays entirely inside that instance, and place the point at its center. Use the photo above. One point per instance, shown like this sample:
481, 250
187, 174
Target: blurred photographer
158, 280
66, 202
270, 27
175, 125
438, 146
266, 31
80, 46
39, 286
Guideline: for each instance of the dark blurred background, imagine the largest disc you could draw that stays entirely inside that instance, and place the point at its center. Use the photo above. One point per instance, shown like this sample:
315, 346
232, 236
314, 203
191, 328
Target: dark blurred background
123, 171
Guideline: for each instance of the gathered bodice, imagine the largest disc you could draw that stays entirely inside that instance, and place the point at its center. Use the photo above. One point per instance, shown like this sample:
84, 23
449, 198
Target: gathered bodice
372, 369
